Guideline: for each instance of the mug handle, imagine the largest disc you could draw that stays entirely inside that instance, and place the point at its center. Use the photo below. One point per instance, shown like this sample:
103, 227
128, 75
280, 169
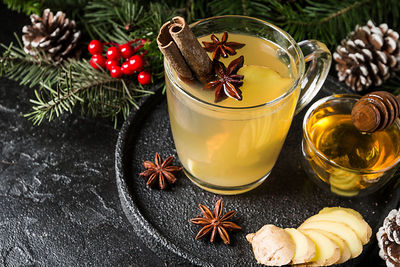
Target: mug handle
320, 59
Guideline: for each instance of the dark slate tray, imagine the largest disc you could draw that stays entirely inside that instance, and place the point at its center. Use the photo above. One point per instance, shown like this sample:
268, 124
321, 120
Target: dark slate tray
286, 199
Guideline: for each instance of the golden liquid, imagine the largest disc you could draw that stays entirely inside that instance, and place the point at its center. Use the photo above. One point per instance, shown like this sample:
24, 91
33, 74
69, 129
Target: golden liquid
256, 52
340, 142
231, 148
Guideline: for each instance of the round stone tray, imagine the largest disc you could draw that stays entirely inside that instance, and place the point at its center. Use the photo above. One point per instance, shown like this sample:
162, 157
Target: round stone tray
286, 198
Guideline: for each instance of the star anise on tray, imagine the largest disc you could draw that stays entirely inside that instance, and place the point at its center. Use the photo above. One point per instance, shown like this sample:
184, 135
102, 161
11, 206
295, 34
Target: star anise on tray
215, 223
222, 47
228, 81
160, 170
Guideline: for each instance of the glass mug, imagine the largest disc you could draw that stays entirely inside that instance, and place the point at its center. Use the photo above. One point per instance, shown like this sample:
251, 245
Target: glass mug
328, 137
231, 150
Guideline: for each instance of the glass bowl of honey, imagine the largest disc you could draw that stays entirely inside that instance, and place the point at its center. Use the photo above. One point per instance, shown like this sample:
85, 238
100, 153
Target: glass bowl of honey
342, 159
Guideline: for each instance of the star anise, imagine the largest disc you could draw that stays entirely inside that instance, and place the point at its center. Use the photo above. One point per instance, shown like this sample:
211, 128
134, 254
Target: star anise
216, 223
221, 47
229, 81
163, 171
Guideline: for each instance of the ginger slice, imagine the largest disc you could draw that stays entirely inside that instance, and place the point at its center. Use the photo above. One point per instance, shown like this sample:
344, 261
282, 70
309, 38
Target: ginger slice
305, 248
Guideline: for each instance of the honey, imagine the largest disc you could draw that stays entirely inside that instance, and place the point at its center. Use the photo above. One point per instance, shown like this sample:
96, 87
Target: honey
347, 159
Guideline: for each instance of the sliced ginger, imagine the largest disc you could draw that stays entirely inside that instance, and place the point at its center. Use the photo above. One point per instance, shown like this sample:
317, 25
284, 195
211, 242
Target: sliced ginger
327, 252
339, 229
357, 224
345, 253
332, 236
305, 247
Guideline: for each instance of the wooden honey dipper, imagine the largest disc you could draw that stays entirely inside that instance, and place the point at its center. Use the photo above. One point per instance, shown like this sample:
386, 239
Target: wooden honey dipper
375, 111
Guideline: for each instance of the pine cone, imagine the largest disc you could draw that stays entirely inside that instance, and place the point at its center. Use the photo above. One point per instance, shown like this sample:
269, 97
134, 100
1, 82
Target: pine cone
54, 36
368, 56
389, 239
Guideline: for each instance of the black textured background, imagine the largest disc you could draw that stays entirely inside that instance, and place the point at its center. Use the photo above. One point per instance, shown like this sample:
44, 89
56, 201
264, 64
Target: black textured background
59, 204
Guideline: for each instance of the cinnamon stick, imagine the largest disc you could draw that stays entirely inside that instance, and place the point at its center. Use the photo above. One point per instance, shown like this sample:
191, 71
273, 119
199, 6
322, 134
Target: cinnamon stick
171, 52
195, 57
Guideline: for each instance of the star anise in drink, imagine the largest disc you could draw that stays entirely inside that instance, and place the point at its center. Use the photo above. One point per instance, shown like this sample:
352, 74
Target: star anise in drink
228, 81
160, 170
222, 47
213, 222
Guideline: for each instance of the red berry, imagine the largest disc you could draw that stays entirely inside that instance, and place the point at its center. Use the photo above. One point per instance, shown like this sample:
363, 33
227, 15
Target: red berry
98, 61
113, 53
95, 47
136, 63
144, 77
116, 72
125, 68
110, 63
126, 50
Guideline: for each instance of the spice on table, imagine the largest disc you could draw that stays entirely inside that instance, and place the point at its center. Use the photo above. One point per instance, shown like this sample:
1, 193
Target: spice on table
160, 170
222, 47
215, 223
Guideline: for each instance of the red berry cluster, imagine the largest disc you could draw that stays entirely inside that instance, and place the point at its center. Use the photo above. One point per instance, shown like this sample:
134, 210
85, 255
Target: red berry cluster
120, 59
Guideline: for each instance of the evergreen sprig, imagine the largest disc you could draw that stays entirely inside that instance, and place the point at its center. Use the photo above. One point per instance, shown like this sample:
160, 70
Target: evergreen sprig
62, 86
100, 13
97, 93
15, 64
331, 21
26, 6
326, 20
71, 7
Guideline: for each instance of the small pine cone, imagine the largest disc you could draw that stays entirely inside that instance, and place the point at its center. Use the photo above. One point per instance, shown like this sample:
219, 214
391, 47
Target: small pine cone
392, 226
388, 239
368, 56
53, 36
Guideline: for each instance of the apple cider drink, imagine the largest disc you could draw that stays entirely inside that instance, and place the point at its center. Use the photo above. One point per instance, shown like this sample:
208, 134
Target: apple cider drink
233, 86
235, 146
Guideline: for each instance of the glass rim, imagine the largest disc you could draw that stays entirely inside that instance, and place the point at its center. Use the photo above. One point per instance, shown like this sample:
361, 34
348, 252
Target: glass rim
307, 138
289, 91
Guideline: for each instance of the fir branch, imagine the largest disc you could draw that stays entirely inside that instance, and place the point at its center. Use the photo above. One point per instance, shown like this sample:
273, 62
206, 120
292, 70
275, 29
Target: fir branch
330, 21
257, 8
340, 12
100, 12
95, 91
101, 15
71, 7
26, 6
15, 64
